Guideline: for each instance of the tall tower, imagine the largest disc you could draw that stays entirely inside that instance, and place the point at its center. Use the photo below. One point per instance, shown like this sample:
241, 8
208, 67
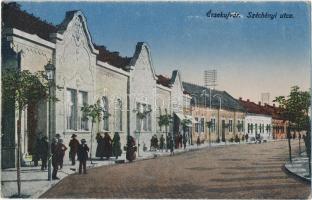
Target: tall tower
265, 98
210, 78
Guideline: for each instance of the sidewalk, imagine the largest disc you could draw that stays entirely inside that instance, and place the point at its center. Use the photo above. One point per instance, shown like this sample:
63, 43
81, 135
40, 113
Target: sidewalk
299, 167
35, 182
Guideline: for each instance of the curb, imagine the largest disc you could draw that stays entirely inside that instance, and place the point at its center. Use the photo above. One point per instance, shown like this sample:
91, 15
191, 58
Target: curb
295, 174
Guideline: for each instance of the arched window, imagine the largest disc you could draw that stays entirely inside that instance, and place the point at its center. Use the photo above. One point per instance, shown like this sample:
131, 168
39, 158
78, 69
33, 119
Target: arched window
118, 115
105, 113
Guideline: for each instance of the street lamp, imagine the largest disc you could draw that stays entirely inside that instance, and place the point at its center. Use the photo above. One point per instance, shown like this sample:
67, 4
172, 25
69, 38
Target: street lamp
50, 72
219, 97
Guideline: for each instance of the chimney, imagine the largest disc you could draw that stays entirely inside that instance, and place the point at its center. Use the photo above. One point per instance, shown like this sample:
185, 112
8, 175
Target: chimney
247, 100
259, 103
115, 53
240, 98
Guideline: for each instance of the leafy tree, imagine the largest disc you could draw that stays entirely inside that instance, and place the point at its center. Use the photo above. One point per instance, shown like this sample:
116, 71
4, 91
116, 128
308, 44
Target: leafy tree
164, 120
93, 112
23, 88
295, 109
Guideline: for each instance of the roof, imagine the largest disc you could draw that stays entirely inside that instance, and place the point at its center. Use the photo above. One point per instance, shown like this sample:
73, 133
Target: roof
163, 80
14, 17
200, 96
276, 112
254, 108
112, 58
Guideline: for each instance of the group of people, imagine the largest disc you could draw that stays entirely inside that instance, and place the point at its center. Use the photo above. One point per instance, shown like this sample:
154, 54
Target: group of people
58, 149
107, 147
180, 140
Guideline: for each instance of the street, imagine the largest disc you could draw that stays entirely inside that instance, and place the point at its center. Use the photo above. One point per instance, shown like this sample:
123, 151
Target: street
235, 171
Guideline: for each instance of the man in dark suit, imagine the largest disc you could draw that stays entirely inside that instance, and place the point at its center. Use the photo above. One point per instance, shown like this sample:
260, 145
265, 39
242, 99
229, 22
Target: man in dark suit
83, 150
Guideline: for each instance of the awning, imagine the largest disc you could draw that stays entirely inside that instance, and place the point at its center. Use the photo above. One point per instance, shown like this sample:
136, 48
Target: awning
194, 121
181, 116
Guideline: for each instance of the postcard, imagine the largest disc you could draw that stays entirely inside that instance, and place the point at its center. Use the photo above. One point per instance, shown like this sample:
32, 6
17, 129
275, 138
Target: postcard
156, 100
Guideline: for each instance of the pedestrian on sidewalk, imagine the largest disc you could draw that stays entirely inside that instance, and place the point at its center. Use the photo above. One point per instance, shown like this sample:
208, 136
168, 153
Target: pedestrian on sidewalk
62, 149
116, 145
180, 140
73, 145
184, 140
44, 150
100, 146
36, 150
107, 146
55, 150
198, 141
83, 150
162, 143
171, 146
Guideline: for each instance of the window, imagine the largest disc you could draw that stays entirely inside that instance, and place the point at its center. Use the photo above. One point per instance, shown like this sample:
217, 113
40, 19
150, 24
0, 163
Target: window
138, 120
196, 125
202, 125
118, 115
82, 100
147, 120
105, 114
230, 125
248, 127
251, 128
71, 106
213, 125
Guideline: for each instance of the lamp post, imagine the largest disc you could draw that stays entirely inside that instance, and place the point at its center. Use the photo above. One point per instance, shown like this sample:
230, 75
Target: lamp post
50, 72
219, 97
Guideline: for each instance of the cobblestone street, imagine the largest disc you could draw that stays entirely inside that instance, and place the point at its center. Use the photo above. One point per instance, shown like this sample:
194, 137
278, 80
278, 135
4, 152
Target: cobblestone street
236, 171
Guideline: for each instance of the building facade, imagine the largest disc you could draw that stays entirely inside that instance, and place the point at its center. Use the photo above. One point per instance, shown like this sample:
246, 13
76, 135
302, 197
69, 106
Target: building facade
225, 115
258, 120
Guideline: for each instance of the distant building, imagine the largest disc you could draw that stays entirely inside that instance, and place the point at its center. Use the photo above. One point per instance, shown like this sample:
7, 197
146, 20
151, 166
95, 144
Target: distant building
226, 117
258, 120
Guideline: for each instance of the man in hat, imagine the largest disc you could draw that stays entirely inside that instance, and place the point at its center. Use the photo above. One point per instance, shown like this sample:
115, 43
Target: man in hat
62, 149
73, 145
83, 150
44, 152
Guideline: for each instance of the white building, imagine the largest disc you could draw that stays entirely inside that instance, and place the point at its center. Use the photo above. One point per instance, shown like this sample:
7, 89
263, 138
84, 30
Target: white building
257, 120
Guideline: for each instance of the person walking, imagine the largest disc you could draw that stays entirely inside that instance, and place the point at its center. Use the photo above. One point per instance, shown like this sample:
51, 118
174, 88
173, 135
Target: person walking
73, 148
184, 140
62, 149
44, 151
171, 146
100, 146
162, 143
198, 141
107, 146
83, 150
131, 149
116, 145
180, 140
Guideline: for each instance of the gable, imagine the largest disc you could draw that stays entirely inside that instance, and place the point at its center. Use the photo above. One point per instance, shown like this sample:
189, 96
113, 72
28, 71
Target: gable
74, 25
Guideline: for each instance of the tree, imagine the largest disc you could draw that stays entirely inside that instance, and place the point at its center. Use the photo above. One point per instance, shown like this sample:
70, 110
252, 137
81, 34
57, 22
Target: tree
164, 120
23, 88
209, 126
295, 109
94, 112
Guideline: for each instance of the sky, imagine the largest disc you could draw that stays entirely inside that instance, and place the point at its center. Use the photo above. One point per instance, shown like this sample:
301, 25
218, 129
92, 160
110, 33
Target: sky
251, 56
